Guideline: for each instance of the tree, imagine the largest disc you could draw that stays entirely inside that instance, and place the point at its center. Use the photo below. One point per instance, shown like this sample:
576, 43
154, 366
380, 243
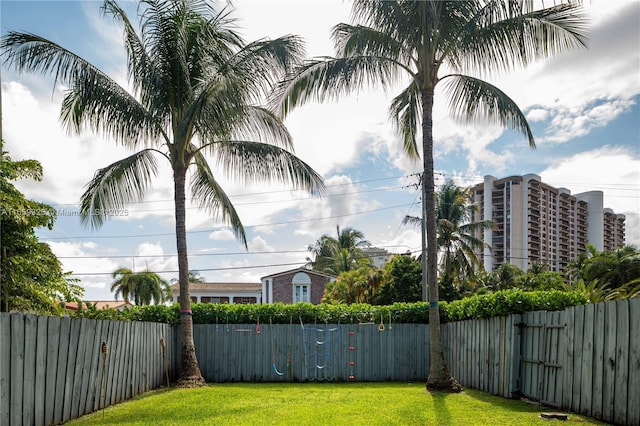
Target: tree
31, 276
436, 44
341, 254
142, 287
456, 233
403, 281
615, 274
360, 285
195, 85
121, 284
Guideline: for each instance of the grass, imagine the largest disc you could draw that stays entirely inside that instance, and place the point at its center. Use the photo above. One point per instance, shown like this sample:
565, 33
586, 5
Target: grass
320, 404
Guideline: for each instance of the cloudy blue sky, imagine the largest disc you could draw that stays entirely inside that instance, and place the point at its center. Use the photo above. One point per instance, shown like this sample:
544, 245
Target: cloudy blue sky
583, 107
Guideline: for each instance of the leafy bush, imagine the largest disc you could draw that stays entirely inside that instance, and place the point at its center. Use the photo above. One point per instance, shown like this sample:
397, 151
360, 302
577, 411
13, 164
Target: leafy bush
504, 302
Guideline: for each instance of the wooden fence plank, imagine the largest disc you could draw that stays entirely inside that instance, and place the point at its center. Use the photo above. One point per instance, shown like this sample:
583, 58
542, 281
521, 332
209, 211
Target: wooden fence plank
567, 371
89, 331
598, 359
41, 371
5, 368
586, 385
68, 400
94, 368
61, 374
633, 397
76, 395
622, 362
53, 345
609, 362
29, 376
578, 345
17, 368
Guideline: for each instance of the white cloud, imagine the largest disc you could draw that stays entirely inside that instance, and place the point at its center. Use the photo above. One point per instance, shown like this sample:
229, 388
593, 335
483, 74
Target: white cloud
614, 170
222, 235
259, 244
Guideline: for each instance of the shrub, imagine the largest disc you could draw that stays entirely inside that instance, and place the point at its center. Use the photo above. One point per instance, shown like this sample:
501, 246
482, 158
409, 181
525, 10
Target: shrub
500, 303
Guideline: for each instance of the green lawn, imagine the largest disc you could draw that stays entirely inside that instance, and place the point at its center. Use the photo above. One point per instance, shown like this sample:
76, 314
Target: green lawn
320, 404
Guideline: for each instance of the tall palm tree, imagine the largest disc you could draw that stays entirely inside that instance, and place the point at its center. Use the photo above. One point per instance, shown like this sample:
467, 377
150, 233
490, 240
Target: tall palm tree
436, 44
456, 233
196, 85
341, 254
148, 286
122, 284
142, 287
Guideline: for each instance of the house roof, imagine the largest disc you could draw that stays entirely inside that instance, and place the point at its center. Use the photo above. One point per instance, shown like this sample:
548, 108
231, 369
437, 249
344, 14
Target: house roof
100, 304
220, 287
301, 269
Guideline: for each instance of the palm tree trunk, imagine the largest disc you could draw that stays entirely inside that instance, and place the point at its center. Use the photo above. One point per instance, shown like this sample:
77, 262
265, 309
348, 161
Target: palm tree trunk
439, 376
190, 370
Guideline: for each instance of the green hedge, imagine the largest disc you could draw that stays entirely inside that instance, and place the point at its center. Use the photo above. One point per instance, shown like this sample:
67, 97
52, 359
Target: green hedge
486, 305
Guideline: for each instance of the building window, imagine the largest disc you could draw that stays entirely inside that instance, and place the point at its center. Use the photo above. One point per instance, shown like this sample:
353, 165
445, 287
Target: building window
301, 293
301, 287
244, 300
194, 299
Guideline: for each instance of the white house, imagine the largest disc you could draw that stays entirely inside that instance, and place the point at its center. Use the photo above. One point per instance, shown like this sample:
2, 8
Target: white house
232, 293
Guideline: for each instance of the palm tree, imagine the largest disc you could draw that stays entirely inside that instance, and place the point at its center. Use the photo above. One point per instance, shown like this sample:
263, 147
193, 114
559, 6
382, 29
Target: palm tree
341, 254
195, 85
121, 284
142, 287
436, 43
148, 286
456, 234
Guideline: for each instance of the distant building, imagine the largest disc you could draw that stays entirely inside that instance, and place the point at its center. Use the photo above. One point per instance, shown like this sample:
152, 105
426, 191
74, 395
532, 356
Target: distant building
379, 256
536, 222
296, 285
232, 293
99, 304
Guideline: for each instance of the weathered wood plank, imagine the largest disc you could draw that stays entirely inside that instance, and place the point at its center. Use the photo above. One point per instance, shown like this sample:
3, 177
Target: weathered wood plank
578, 353
93, 372
17, 368
633, 396
5, 368
76, 392
568, 361
61, 374
69, 399
598, 360
53, 344
41, 371
586, 384
29, 376
609, 362
622, 362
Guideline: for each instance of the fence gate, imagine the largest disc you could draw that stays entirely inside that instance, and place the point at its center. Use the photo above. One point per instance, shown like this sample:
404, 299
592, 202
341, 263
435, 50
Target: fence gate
541, 349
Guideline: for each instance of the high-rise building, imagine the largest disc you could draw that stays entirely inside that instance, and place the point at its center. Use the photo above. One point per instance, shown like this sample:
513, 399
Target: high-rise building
537, 223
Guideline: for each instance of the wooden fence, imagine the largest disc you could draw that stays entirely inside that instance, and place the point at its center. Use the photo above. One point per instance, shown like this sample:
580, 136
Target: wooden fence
51, 368
585, 359
327, 352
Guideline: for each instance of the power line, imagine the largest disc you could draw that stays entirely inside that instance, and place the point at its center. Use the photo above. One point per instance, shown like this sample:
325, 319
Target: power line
164, 234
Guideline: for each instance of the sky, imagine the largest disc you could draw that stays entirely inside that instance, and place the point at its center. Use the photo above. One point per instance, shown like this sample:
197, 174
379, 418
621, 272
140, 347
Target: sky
583, 107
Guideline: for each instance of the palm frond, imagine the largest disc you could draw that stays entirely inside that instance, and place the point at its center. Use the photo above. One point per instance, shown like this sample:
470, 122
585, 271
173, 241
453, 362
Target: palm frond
115, 186
405, 112
472, 99
329, 78
504, 34
261, 64
241, 122
252, 162
211, 197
